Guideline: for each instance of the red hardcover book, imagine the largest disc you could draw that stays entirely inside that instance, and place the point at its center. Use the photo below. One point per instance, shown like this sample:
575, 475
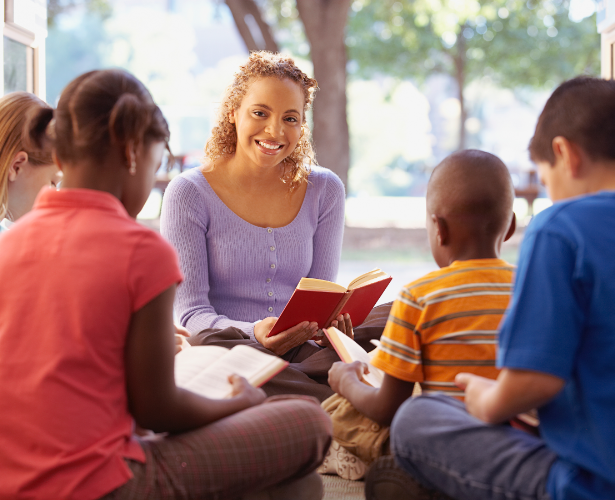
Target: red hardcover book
322, 301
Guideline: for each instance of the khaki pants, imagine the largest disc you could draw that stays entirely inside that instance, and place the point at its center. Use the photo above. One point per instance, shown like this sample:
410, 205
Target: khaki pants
360, 435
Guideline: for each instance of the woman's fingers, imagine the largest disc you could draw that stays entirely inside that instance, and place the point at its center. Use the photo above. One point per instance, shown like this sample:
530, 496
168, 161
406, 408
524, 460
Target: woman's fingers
348, 326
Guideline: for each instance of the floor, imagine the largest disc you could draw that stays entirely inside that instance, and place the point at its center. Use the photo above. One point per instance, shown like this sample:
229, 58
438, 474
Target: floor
338, 488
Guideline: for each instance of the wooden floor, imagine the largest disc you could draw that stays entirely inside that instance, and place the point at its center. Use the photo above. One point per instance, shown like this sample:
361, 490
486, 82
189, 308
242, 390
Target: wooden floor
338, 488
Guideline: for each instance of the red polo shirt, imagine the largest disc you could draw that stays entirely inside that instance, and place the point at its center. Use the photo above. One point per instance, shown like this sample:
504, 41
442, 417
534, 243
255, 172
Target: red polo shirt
72, 273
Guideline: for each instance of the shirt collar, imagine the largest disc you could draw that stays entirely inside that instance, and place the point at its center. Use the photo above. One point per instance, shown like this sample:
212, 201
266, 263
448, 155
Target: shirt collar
79, 198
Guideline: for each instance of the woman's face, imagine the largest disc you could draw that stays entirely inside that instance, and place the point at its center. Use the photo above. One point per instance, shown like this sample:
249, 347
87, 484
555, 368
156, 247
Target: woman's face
25, 182
268, 122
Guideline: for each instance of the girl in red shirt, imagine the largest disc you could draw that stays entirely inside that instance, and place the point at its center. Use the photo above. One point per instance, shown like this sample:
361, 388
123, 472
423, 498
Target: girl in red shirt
86, 335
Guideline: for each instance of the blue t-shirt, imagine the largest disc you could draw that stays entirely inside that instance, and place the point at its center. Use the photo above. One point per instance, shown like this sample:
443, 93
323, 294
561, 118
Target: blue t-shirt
561, 321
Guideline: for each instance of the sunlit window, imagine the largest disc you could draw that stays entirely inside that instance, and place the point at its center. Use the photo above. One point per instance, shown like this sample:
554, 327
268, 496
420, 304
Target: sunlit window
15, 66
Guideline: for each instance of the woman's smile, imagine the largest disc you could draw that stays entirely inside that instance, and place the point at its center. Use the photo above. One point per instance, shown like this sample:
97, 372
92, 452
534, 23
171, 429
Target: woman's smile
269, 147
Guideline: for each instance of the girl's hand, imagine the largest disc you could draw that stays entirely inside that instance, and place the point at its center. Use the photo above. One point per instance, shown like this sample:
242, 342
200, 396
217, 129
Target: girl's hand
181, 334
341, 374
243, 390
180, 343
343, 324
284, 341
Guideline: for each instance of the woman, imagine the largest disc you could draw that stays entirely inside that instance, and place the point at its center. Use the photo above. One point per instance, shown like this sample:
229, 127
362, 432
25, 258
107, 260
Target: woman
256, 219
23, 170
101, 287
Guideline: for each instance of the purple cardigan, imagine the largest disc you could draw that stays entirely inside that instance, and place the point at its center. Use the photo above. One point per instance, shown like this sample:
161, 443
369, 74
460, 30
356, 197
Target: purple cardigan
237, 273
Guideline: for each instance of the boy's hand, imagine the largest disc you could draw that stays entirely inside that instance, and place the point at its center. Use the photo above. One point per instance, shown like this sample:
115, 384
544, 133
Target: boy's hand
343, 324
284, 341
242, 389
477, 391
341, 374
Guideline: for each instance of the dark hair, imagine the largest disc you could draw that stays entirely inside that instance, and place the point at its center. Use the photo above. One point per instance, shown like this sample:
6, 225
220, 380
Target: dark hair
96, 111
583, 111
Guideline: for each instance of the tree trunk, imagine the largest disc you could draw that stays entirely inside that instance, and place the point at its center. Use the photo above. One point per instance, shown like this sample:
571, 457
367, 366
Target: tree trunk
325, 22
460, 75
254, 31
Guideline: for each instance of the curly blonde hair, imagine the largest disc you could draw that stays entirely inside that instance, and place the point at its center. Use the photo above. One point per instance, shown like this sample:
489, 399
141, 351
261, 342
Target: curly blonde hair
261, 64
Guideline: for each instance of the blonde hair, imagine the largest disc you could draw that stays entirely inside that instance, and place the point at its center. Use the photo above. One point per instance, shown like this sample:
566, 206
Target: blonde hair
263, 64
15, 108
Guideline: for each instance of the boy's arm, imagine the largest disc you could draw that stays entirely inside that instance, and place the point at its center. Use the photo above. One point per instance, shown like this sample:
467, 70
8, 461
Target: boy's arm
378, 404
514, 392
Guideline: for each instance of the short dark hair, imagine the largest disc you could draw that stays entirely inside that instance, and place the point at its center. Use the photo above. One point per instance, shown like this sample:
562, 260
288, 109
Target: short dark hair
96, 111
583, 111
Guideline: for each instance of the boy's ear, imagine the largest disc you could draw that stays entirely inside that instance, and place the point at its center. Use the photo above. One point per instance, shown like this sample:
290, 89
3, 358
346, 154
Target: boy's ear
17, 164
568, 154
512, 228
441, 230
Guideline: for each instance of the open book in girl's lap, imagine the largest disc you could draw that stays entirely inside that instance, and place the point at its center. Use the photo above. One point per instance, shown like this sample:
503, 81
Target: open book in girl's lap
205, 369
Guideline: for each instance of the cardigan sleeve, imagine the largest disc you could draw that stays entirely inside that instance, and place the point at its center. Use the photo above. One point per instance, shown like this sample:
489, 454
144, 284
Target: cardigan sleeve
329, 232
184, 223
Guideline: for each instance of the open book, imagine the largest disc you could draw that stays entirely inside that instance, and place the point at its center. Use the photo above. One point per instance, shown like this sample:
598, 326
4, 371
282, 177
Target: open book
348, 351
205, 369
322, 301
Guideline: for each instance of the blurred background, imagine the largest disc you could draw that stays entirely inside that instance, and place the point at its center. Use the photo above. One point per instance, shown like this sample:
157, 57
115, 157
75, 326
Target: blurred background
402, 85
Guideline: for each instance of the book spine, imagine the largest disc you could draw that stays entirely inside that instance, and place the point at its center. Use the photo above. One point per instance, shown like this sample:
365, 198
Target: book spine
338, 308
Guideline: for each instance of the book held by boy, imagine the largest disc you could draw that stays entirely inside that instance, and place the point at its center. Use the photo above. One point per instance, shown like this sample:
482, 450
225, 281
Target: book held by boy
322, 301
348, 351
205, 369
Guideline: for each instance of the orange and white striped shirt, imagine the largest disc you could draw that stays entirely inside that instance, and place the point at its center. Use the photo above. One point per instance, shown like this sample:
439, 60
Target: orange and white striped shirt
445, 323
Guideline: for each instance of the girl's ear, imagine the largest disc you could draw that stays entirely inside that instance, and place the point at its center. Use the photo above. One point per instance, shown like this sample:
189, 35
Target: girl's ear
231, 116
17, 164
131, 157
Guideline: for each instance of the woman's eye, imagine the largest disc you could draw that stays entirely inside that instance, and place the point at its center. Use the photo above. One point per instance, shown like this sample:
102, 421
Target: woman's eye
291, 119
259, 113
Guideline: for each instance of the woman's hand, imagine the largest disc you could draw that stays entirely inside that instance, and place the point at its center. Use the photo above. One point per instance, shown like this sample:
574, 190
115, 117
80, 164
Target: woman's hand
284, 341
242, 389
343, 324
341, 374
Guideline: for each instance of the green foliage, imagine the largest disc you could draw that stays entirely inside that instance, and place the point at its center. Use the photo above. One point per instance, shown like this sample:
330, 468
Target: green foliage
515, 43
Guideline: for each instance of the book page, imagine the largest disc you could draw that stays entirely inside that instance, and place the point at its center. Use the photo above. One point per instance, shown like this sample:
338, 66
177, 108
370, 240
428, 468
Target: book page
190, 362
316, 284
367, 278
212, 380
350, 351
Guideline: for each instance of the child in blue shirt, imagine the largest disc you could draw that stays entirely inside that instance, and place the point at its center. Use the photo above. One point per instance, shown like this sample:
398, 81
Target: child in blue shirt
556, 344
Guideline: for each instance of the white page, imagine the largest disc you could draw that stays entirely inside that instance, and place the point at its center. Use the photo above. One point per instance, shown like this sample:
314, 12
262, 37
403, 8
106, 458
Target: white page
212, 379
357, 353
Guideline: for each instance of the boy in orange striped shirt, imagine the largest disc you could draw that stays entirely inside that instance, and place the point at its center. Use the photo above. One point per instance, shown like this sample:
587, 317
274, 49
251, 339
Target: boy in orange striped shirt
441, 324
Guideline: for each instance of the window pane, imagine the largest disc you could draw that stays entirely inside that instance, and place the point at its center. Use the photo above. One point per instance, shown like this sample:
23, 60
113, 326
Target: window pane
15, 66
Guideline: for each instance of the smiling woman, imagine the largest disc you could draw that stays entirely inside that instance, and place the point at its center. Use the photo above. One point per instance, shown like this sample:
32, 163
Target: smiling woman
258, 217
